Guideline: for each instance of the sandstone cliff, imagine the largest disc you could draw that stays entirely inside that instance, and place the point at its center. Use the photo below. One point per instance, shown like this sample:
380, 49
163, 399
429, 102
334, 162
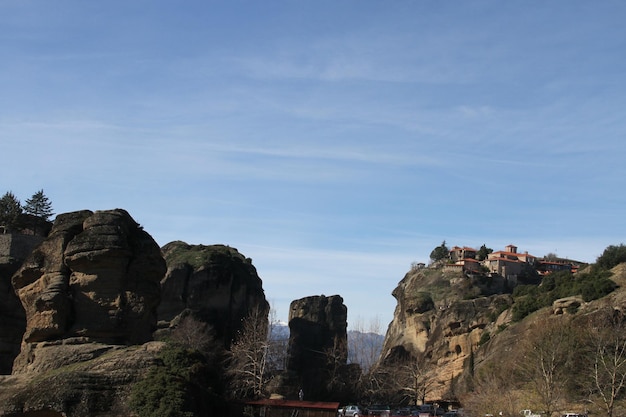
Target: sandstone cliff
318, 332
89, 292
14, 248
214, 283
459, 325
434, 320
88, 298
12, 320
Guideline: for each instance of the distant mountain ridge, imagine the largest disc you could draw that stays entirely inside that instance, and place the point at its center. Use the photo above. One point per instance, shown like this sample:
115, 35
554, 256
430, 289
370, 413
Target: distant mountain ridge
363, 347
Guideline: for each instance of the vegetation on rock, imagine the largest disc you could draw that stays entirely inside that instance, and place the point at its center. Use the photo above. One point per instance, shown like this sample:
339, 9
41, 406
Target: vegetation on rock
181, 384
612, 256
589, 285
10, 211
440, 253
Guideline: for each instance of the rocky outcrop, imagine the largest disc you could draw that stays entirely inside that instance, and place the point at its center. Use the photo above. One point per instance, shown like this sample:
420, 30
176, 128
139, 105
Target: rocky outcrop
318, 331
81, 379
94, 279
433, 321
567, 305
214, 283
12, 320
89, 292
14, 248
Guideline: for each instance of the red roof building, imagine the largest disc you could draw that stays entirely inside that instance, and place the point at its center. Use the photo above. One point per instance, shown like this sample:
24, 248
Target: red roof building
289, 408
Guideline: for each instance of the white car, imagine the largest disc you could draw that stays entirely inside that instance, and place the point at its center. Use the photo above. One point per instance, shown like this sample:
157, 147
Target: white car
352, 411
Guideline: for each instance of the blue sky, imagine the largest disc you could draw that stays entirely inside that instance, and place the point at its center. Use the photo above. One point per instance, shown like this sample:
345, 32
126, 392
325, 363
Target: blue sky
333, 142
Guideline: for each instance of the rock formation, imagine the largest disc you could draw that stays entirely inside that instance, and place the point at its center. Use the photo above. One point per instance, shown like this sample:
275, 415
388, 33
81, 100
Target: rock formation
434, 322
318, 340
88, 379
90, 292
214, 283
14, 248
95, 277
12, 321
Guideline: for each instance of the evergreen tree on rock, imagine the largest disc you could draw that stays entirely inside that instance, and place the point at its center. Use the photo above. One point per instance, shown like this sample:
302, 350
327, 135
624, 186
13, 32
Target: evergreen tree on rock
10, 211
39, 206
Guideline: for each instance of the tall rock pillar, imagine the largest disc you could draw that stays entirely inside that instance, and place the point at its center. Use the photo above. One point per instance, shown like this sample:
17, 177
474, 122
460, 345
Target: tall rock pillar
317, 343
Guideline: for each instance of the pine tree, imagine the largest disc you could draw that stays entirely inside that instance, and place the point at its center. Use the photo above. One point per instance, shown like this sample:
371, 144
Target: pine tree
39, 206
10, 211
440, 252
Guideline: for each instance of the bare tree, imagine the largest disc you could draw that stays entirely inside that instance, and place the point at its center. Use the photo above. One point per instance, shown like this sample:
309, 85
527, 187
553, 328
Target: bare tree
544, 365
365, 343
278, 342
336, 365
494, 392
414, 379
247, 358
194, 334
401, 378
377, 384
608, 371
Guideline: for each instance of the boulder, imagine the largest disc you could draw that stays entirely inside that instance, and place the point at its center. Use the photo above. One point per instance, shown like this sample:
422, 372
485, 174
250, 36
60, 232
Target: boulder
567, 305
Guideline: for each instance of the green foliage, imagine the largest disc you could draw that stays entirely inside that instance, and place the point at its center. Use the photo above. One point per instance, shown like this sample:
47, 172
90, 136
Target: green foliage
590, 286
524, 307
160, 394
484, 338
10, 211
39, 206
169, 388
199, 256
422, 301
440, 252
501, 306
483, 252
612, 256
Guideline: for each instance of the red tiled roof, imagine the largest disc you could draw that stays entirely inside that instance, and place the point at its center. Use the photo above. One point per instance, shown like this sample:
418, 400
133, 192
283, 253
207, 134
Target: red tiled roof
506, 260
318, 405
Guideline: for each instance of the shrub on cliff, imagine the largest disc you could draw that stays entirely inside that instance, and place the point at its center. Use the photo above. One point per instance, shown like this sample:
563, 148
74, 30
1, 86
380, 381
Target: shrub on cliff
178, 387
612, 256
590, 286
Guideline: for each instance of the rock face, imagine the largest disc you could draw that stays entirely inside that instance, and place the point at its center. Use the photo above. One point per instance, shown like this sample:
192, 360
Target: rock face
12, 321
14, 248
88, 379
441, 327
318, 330
94, 279
215, 283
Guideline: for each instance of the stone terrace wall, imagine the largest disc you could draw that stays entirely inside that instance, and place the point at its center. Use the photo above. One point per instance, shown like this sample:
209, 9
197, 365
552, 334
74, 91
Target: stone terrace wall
15, 246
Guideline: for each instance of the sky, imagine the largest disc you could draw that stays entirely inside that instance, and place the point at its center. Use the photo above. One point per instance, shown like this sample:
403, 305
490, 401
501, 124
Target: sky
333, 142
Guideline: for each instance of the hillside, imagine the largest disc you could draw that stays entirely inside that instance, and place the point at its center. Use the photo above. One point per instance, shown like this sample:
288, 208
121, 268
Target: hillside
460, 329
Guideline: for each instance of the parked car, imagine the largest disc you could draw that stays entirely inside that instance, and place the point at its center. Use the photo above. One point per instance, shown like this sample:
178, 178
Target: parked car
379, 410
352, 411
426, 410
